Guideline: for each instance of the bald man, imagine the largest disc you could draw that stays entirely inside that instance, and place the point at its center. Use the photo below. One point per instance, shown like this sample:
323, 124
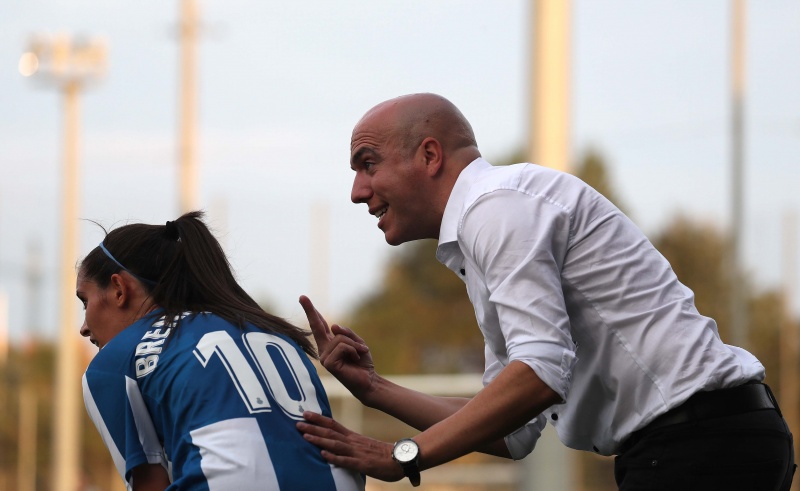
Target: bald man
585, 325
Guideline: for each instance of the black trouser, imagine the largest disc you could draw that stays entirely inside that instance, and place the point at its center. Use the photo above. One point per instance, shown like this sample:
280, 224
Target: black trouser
750, 451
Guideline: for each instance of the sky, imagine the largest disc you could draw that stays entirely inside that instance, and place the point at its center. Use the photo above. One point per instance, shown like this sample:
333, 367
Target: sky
281, 85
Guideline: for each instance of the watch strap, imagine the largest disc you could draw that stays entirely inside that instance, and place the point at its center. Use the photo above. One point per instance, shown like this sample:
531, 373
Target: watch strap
411, 471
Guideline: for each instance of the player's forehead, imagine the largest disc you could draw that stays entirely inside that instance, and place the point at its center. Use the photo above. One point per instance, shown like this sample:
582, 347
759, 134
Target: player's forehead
84, 283
86, 287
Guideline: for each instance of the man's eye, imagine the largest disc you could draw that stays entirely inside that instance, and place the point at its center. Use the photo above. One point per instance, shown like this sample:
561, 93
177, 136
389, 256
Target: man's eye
368, 165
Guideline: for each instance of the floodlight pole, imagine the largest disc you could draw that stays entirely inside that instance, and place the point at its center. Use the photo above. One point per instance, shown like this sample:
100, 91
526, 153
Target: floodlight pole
26, 458
738, 300
69, 67
548, 141
187, 117
320, 256
548, 144
67, 428
789, 352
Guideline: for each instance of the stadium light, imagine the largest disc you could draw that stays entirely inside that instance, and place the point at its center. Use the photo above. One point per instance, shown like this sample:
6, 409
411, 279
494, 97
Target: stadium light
69, 66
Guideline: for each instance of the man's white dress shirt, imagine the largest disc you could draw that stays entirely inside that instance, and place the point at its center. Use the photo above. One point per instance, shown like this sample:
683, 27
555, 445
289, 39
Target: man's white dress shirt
564, 282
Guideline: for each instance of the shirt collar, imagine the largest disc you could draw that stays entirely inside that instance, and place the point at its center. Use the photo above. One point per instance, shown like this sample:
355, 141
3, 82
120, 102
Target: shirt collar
452, 211
448, 231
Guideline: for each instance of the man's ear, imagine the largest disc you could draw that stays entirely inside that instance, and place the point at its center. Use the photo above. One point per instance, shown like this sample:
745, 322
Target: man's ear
431, 150
120, 289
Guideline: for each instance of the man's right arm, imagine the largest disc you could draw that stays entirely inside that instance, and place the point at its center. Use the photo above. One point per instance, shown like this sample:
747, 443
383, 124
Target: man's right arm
419, 410
345, 355
508, 402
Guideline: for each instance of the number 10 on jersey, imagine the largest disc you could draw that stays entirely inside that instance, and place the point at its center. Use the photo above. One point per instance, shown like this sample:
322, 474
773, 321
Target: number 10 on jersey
247, 381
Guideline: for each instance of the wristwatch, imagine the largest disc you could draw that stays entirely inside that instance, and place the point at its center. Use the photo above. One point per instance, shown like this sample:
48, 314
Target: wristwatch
406, 453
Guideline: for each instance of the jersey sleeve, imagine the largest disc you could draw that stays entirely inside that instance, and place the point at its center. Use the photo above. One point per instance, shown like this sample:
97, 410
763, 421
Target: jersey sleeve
116, 407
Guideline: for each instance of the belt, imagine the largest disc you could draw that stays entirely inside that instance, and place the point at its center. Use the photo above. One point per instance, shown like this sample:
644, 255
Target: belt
752, 396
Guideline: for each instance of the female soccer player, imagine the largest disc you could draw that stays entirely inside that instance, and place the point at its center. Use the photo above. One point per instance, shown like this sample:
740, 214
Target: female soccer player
195, 387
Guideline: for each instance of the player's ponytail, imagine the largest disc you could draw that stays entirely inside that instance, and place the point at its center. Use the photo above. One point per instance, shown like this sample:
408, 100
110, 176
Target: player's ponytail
183, 267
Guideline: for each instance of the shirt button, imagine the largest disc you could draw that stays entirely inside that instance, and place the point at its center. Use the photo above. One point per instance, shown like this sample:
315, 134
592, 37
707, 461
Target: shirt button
462, 271
554, 417
596, 449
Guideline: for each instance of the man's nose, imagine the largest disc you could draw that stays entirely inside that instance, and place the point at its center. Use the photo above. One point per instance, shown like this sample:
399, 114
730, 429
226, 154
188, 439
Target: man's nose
361, 192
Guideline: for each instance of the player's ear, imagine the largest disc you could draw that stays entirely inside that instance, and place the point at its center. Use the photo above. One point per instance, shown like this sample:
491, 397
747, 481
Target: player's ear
431, 151
120, 290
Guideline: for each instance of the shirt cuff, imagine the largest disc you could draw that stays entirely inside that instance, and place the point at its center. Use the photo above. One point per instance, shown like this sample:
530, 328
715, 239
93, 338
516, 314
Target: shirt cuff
523, 440
553, 366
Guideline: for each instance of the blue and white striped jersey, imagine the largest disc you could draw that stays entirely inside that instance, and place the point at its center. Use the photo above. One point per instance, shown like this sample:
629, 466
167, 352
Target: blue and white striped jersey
214, 404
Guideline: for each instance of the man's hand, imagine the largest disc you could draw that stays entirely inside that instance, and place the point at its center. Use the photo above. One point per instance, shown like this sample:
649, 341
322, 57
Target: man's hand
342, 352
348, 449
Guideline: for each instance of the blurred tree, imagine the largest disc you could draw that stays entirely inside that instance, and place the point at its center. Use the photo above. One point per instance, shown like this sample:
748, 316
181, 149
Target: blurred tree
514, 157
29, 368
420, 320
766, 312
32, 367
592, 170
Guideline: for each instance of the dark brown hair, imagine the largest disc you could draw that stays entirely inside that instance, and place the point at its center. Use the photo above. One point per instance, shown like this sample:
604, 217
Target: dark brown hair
183, 268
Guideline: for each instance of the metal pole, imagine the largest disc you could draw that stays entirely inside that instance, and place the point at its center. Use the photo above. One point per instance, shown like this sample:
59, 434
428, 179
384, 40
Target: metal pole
552, 465
26, 460
68, 384
320, 256
738, 300
187, 132
550, 84
789, 337
68, 66
33, 284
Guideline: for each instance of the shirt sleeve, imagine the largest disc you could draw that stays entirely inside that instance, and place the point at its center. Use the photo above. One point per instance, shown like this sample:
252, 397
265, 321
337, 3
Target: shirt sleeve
523, 440
517, 243
116, 408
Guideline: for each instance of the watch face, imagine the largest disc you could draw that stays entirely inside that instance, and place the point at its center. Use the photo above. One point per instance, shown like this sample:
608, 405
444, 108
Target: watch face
406, 451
